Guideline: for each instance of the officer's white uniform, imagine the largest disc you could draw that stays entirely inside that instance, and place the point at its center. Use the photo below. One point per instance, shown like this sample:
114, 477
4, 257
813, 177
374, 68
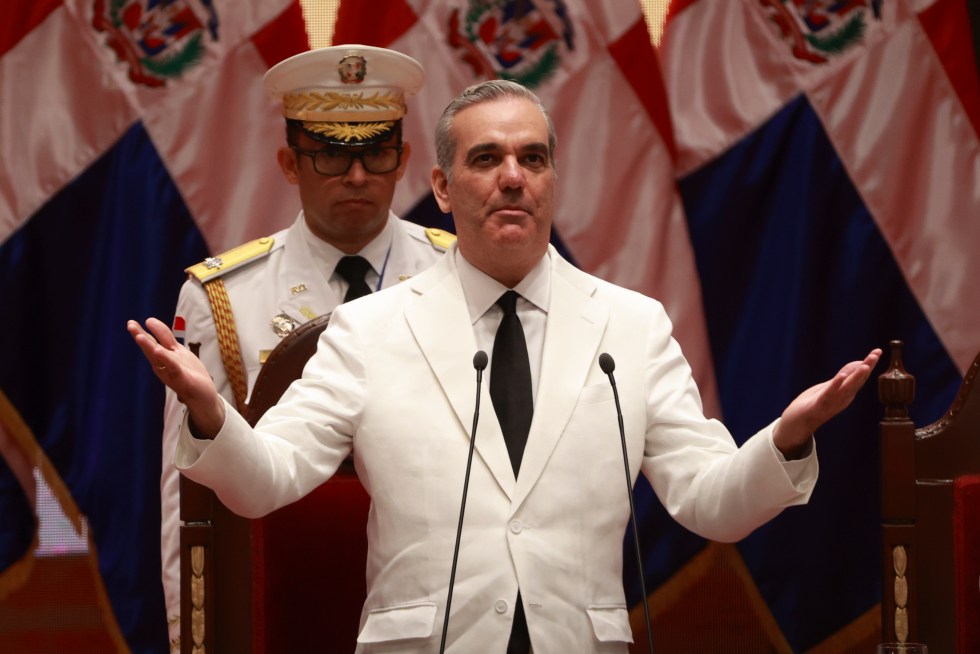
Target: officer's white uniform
344, 96
286, 279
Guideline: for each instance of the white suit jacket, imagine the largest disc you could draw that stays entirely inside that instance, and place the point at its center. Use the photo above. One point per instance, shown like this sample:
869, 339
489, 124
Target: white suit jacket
287, 280
393, 381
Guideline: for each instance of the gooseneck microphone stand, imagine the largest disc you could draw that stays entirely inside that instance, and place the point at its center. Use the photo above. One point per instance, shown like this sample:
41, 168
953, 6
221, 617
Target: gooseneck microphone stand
480, 363
607, 365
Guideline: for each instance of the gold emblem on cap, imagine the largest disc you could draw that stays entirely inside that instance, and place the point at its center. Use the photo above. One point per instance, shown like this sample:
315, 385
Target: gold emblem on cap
282, 324
299, 288
349, 131
329, 105
352, 69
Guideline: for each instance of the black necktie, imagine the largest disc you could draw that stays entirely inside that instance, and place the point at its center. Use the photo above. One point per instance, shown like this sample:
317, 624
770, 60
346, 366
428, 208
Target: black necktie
513, 402
353, 269
510, 380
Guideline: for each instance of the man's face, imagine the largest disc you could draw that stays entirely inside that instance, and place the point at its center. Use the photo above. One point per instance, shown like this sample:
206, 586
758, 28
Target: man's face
502, 189
346, 210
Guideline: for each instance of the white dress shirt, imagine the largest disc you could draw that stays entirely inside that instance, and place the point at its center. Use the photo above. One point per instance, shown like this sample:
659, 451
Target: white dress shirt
482, 293
327, 257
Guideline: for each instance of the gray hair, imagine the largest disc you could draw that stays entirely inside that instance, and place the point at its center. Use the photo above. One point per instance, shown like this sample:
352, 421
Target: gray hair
495, 89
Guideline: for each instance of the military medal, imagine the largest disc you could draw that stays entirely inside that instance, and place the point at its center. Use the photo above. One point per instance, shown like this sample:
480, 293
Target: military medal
282, 324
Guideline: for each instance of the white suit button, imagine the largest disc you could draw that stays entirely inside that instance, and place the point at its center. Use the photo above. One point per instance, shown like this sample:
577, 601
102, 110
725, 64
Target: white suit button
500, 606
516, 527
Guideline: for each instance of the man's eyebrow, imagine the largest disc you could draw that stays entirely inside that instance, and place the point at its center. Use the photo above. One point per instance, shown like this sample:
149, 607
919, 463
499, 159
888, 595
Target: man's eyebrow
480, 148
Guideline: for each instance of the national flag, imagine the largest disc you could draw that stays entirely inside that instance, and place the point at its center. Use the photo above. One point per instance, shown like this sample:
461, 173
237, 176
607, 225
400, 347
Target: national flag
136, 139
179, 328
828, 160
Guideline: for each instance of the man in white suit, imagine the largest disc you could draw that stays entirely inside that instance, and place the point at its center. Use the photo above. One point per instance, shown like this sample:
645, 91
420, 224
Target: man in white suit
344, 153
392, 382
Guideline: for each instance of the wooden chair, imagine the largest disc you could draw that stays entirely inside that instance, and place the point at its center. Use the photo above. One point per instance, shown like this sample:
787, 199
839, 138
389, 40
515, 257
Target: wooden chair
930, 480
292, 581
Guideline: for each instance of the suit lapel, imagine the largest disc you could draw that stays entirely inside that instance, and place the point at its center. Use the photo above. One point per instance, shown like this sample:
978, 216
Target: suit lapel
438, 318
576, 322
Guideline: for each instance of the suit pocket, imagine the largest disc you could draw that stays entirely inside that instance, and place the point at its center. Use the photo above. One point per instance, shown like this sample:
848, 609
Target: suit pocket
611, 623
595, 393
398, 622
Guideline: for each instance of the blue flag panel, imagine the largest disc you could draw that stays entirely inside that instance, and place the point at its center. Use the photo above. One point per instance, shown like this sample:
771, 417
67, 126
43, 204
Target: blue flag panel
797, 279
100, 252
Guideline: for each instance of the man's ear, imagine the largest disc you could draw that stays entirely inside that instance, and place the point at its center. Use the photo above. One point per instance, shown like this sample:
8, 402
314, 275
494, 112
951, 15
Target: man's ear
440, 188
289, 163
403, 162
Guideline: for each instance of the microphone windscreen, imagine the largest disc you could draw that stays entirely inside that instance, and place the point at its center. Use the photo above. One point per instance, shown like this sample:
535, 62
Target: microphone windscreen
606, 363
480, 360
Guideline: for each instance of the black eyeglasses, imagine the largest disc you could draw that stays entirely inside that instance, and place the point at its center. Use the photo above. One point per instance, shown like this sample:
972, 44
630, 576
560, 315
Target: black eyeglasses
377, 160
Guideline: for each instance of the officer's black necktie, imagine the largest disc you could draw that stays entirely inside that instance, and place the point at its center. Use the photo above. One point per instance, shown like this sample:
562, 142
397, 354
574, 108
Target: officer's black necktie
353, 269
513, 402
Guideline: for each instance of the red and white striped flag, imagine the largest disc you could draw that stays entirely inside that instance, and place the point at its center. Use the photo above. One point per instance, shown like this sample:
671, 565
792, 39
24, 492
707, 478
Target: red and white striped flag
829, 163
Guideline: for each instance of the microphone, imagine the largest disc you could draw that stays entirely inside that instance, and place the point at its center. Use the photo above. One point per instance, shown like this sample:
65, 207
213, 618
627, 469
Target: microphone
480, 364
607, 365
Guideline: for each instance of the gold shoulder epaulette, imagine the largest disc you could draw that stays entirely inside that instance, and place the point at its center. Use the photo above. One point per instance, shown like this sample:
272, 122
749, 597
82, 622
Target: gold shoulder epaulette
233, 258
440, 237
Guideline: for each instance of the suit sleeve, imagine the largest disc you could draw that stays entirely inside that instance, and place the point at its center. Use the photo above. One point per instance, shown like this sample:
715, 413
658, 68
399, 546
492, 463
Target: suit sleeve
704, 480
298, 444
